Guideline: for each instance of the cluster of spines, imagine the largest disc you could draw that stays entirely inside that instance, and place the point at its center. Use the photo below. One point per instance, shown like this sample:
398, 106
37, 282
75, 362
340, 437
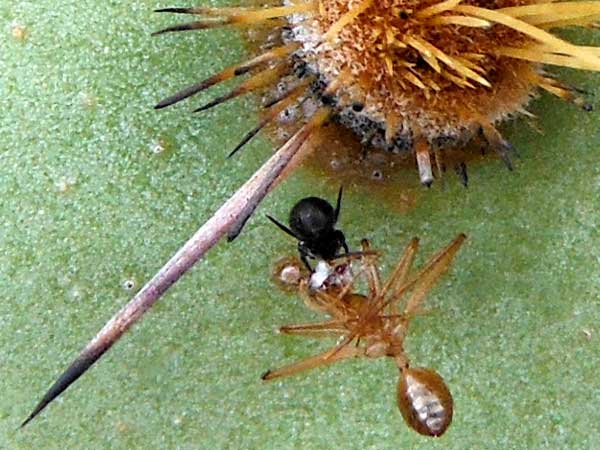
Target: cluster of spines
531, 21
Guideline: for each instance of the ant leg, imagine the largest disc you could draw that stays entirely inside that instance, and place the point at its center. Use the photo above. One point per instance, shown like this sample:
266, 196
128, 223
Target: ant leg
305, 261
346, 249
338, 206
313, 362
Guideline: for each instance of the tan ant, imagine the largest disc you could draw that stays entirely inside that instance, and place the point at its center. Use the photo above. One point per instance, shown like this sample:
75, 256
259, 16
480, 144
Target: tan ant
376, 324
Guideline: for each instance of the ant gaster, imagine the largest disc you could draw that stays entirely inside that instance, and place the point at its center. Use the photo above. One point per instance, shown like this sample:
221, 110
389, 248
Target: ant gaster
312, 221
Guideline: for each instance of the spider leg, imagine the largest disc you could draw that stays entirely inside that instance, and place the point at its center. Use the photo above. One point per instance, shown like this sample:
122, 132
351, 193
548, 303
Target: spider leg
371, 272
421, 284
400, 273
313, 362
430, 274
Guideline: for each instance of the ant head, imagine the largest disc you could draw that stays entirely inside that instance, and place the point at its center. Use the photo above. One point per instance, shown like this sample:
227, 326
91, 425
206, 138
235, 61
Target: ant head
312, 223
311, 217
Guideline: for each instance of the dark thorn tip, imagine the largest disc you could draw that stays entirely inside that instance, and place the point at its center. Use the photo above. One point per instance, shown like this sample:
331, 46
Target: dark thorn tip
173, 10
181, 27
68, 377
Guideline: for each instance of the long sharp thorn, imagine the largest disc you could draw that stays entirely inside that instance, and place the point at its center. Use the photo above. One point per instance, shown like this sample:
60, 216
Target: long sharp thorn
219, 100
501, 146
232, 16
246, 139
175, 10
190, 26
73, 372
296, 142
188, 92
227, 74
276, 109
424, 162
258, 81
226, 220
504, 148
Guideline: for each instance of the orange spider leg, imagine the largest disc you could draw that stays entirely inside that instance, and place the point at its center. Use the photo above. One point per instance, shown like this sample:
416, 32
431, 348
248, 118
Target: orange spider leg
371, 272
431, 273
324, 302
400, 272
313, 362
422, 283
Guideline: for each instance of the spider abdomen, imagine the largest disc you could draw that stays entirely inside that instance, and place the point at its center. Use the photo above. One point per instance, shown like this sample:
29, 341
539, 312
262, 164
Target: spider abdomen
424, 401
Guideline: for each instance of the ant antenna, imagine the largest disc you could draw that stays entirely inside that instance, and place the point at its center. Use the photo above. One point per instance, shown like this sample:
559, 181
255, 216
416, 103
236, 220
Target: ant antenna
282, 227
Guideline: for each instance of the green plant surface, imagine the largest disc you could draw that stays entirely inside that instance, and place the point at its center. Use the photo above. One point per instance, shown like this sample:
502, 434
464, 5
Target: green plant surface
97, 190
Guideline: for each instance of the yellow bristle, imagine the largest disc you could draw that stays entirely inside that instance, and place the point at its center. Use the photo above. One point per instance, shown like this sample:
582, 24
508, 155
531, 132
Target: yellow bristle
538, 34
436, 9
463, 21
457, 80
346, 19
546, 13
425, 52
470, 65
539, 56
413, 79
590, 21
453, 63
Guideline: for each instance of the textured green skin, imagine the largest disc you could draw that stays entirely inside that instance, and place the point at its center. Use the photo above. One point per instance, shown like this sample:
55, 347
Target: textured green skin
507, 328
